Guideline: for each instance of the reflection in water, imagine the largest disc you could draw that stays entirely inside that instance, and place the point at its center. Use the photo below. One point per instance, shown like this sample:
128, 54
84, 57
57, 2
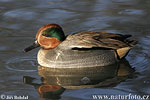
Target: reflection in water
76, 76
49, 92
73, 78
55, 80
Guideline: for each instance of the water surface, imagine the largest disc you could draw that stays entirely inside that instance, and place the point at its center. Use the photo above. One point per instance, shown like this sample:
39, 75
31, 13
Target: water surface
20, 20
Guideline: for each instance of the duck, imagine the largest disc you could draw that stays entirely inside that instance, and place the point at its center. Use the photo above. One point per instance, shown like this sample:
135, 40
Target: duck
80, 49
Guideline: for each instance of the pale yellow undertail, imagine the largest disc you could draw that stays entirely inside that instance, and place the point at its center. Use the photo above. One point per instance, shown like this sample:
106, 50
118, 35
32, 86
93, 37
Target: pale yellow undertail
122, 52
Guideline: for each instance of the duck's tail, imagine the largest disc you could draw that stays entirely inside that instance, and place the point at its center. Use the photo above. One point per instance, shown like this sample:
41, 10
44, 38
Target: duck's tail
122, 52
132, 43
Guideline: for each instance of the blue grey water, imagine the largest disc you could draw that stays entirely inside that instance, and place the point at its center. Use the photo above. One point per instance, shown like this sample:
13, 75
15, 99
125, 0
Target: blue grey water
20, 20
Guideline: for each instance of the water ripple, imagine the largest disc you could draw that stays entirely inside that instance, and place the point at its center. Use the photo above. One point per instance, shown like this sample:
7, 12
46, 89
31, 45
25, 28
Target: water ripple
20, 14
134, 12
141, 60
23, 64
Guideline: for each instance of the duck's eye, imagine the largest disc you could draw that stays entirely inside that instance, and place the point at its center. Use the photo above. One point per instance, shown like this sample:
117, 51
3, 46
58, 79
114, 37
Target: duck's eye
47, 32
44, 34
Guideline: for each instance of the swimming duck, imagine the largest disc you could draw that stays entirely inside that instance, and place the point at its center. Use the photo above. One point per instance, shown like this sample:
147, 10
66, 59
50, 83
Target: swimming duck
83, 49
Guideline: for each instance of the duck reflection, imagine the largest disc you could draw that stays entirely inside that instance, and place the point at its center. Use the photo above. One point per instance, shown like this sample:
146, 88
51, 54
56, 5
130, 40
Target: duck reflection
56, 80
46, 91
89, 77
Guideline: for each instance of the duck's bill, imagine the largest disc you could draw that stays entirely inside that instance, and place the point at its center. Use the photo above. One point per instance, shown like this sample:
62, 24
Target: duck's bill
33, 46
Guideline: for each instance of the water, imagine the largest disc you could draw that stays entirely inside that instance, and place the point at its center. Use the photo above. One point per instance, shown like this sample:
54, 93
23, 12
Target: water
20, 20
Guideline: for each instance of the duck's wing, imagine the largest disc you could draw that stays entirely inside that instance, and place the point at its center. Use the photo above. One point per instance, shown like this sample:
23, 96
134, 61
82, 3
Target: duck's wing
99, 40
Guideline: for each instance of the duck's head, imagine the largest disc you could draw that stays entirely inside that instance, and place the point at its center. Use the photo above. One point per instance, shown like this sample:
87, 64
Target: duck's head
49, 36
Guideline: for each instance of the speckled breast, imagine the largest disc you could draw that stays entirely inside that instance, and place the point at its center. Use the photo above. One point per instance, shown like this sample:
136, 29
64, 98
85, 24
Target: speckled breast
57, 58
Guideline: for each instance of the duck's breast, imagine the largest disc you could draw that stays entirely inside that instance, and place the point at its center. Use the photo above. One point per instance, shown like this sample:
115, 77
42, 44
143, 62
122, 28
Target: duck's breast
75, 58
